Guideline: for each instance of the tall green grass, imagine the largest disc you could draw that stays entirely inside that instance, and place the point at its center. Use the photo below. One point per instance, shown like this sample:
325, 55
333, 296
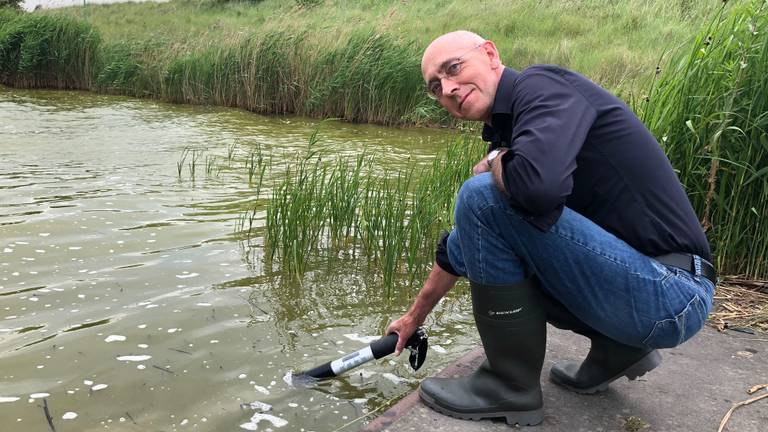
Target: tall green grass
342, 208
709, 109
369, 77
47, 51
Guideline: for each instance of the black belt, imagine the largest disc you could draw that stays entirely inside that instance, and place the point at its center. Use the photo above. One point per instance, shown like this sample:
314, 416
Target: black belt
688, 262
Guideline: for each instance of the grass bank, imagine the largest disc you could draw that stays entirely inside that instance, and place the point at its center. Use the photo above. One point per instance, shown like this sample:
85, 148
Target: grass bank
359, 60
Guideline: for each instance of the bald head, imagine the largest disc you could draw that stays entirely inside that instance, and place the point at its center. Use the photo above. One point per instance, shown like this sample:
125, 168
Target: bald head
459, 39
463, 70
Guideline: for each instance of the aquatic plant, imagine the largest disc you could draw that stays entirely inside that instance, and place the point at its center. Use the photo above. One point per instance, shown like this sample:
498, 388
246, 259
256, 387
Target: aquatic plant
709, 109
231, 149
182, 159
342, 208
193, 161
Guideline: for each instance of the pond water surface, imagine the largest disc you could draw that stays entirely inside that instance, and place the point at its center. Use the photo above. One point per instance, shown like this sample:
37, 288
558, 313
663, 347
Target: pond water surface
127, 301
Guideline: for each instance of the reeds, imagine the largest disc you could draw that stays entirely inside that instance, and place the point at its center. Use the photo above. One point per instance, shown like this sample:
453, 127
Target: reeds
709, 109
346, 208
47, 51
365, 76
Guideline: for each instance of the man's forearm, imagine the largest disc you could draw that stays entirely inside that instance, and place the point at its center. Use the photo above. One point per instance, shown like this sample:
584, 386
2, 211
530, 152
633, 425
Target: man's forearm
438, 283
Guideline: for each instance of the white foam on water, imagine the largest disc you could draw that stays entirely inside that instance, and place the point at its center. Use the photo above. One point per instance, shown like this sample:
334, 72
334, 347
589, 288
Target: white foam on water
257, 405
261, 389
88, 382
69, 415
394, 378
187, 276
114, 338
438, 348
98, 387
141, 367
254, 423
4, 399
203, 304
134, 358
363, 339
39, 395
288, 378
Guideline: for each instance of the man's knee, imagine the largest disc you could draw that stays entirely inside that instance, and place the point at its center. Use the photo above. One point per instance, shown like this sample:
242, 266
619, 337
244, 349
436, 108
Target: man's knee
476, 193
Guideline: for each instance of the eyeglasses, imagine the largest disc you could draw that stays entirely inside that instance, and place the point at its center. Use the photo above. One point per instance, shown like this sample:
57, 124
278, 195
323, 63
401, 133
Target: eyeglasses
449, 69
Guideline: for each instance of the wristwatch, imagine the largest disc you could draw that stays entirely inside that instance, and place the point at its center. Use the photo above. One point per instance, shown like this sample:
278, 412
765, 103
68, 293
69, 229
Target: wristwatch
491, 156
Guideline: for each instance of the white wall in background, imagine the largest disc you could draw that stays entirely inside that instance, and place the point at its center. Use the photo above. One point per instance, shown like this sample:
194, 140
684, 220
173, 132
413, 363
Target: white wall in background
50, 4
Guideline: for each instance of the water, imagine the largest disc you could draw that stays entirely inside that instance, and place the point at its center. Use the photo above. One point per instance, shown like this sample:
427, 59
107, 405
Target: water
128, 303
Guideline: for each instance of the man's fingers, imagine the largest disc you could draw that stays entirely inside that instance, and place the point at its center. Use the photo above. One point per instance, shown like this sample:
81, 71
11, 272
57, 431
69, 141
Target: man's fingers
480, 167
400, 345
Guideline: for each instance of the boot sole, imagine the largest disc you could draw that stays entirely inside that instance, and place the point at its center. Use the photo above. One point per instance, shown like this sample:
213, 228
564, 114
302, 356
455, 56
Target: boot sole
640, 368
522, 418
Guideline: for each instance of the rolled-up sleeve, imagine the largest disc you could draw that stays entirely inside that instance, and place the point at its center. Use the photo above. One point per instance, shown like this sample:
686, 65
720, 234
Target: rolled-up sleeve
441, 255
552, 120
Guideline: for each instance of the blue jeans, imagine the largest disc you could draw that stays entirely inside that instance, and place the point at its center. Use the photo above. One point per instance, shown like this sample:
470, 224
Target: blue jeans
603, 281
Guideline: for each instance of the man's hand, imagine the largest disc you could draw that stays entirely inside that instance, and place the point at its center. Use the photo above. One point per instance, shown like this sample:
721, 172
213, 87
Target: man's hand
495, 168
437, 284
404, 326
497, 171
481, 166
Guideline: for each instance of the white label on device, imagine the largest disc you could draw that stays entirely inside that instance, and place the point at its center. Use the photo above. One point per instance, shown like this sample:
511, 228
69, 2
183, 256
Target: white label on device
352, 360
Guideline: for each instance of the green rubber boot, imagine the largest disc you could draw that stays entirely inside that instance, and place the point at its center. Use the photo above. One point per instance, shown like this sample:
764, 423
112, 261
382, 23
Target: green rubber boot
607, 361
513, 330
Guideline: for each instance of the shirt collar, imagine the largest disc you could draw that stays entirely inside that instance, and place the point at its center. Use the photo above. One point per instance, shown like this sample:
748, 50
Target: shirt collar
502, 102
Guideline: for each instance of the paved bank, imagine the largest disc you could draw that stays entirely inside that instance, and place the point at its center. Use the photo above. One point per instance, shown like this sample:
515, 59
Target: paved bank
691, 391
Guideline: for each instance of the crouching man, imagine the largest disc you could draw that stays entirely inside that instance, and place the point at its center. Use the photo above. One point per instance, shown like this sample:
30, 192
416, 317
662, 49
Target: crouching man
575, 217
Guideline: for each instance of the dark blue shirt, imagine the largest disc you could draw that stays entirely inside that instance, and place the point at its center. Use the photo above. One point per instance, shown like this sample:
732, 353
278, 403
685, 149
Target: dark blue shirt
572, 143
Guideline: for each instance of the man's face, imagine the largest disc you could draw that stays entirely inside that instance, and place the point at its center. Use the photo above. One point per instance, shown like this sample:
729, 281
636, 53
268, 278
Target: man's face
465, 74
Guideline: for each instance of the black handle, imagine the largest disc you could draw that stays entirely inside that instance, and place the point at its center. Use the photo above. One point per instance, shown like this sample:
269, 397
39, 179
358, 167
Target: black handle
384, 346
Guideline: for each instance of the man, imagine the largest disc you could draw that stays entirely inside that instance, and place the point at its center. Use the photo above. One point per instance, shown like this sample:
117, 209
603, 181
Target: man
575, 217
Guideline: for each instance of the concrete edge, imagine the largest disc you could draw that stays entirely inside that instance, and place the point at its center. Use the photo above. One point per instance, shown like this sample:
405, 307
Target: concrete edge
402, 408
